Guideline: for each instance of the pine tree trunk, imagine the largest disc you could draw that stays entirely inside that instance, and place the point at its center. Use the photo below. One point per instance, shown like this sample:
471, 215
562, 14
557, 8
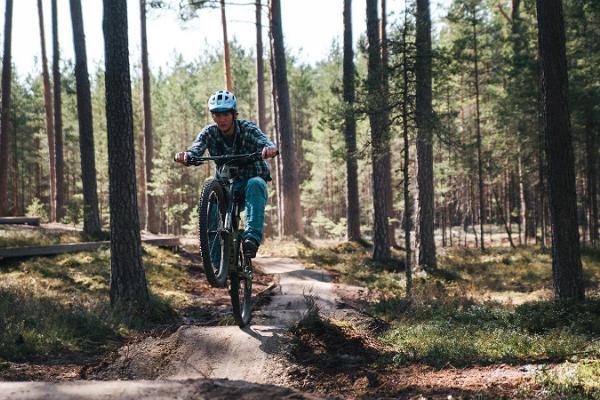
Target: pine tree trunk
424, 119
352, 195
152, 223
260, 71
58, 136
408, 210
566, 258
91, 217
292, 220
5, 112
227, 63
49, 115
592, 175
128, 289
381, 240
385, 90
478, 130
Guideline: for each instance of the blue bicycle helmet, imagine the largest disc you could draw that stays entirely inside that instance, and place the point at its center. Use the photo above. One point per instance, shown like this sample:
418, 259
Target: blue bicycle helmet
222, 101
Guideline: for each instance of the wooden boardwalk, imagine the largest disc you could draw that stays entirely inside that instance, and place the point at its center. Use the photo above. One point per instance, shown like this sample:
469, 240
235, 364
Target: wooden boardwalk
35, 221
31, 251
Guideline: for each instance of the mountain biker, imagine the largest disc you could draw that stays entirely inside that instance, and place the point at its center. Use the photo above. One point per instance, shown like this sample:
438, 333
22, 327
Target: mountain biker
228, 136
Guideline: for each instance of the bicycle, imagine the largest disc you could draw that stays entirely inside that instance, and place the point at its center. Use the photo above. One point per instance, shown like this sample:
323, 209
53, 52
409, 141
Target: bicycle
218, 230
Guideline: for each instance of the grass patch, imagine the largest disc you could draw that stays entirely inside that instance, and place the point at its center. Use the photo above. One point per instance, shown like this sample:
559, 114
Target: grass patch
572, 380
32, 236
463, 333
479, 308
51, 306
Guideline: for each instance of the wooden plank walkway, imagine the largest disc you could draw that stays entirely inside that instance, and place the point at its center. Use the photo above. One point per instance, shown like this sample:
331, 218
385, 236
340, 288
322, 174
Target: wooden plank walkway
35, 221
31, 251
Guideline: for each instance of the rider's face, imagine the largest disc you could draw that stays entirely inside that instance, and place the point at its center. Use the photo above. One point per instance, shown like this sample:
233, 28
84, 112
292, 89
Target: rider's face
224, 121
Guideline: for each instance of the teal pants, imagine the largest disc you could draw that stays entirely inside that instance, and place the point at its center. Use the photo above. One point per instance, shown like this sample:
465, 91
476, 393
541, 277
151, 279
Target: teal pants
255, 195
255, 200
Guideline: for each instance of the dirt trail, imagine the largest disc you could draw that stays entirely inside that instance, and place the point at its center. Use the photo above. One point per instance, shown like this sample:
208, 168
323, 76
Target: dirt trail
185, 364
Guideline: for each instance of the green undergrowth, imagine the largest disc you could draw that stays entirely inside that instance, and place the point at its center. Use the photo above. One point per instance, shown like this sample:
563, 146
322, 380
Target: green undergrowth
55, 306
32, 236
572, 380
478, 308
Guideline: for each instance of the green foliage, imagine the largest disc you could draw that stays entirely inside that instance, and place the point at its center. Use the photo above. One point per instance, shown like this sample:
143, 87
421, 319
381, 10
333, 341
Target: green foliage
59, 305
572, 380
37, 209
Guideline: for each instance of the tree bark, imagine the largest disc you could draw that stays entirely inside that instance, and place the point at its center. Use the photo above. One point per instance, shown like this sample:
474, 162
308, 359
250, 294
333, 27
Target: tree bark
5, 112
592, 175
58, 136
566, 257
49, 115
424, 119
152, 223
291, 211
352, 195
478, 131
227, 63
91, 218
381, 239
128, 289
408, 210
260, 71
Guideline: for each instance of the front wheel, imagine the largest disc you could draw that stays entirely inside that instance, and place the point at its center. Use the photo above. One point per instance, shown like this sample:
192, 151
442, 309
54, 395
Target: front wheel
215, 241
240, 288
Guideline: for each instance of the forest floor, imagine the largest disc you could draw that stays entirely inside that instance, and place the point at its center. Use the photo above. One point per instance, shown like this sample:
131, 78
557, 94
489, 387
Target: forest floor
482, 326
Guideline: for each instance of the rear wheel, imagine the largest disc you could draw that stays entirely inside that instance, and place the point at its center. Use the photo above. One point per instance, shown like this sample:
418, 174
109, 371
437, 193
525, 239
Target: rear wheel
240, 288
215, 242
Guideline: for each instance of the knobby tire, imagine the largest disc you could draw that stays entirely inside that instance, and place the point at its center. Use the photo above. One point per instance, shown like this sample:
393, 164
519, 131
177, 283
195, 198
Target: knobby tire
213, 196
240, 290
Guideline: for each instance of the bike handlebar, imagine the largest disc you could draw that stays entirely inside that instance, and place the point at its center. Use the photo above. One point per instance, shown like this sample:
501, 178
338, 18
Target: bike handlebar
224, 159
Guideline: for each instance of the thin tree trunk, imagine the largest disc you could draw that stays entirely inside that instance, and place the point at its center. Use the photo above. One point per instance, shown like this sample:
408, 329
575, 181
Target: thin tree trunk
292, 220
128, 289
227, 63
566, 257
91, 217
260, 71
522, 204
152, 223
408, 210
424, 118
352, 195
592, 177
5, 112
49, 116
506, 226
58, 137
386, 123
478, 130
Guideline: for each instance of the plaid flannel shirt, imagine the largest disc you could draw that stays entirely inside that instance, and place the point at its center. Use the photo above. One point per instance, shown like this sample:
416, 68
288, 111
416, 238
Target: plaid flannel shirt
248, 138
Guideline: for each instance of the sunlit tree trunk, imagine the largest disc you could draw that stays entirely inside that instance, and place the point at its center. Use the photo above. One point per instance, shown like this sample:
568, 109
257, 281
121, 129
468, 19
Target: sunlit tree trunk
227, 63
49, 116
566, 257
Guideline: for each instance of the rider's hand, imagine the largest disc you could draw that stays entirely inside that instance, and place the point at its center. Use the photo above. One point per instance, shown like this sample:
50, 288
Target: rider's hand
269, 152
181, 157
